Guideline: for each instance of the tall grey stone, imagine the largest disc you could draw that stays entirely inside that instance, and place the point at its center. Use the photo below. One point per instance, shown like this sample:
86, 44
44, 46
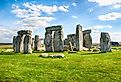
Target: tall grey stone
58, 41
33, 43
105, 42
87, 39
79, 38
22, 44
14, 43
37, 44
66, 41
19, 44
48, 41
27, 44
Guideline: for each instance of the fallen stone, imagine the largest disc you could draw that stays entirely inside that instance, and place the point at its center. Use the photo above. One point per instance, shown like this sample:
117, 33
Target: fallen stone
44, 55
56, 56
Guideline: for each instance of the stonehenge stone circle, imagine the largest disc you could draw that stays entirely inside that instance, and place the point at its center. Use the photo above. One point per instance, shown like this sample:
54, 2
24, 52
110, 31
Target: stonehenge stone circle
54, 38
105, 42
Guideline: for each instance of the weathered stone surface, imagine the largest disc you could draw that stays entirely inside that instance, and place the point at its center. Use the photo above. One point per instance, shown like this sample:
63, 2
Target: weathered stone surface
87, 31
27, 44
58, 41
57, 55
37, 43
79, 38
19, 43
33, 43
105, 42
48, 41
44, 55
87, 39
72, 38
54, 28
23, 32
14, 43
66, 41
54, 38
70, 46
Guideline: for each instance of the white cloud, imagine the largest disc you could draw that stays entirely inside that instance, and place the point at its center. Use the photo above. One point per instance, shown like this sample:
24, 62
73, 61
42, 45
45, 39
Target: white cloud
6, 34
96, 28
106, 2
117, 6
101, 27
31, 15
90, 10
74, 4
45, 8
63, 8
110, 16
115, 36
74, 17
36, 21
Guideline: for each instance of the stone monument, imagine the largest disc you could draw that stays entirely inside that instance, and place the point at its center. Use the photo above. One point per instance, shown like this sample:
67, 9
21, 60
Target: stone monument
105, 42
54, 38
79, 38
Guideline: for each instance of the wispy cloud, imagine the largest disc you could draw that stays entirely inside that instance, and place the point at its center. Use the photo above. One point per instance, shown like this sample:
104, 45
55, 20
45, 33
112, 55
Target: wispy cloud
31, 15
117, 6
6, 34
110, 16
74, 17
106, 2
101, 26
74, 4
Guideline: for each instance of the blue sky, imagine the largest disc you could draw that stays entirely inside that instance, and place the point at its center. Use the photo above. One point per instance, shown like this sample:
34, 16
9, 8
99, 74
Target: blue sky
98, 15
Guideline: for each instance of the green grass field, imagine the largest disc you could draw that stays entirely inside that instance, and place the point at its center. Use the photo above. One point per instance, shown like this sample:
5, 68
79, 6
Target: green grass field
75, 67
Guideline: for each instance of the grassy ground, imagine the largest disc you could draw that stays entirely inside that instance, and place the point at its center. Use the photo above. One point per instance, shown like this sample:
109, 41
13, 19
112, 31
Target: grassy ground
75, 67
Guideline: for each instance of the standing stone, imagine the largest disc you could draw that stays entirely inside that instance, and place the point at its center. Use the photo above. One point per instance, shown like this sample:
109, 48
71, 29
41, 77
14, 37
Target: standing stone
33, 43
19, 44
87, 39
105, 42
66, 41
48, 41
27, 44
79, 38
22, 44
58, 41
14, 43
37, 44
